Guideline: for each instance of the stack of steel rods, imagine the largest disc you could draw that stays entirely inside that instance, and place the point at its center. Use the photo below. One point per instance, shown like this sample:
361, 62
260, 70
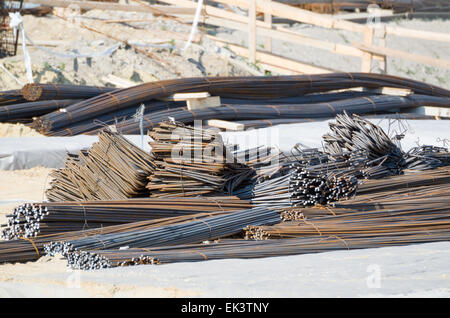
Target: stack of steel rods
367, 105
191, 161
247, 249
371, 219
426, 157
184, 233
116, 117
236, 87
113, 169
382, 192
34, 92
25, 112
29, 249
11, 97
35, 100
356, 149
31, 220
352, 133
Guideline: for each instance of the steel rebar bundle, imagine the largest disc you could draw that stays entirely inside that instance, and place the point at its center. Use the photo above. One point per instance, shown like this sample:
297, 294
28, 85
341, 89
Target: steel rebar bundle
386, 191
409, 215
426, 157
226, 87
191, 161
30, 220
30, 249
113, 169
246, 249
233, 112
25, 112
352, 133
11, 97
184, 233
33, 92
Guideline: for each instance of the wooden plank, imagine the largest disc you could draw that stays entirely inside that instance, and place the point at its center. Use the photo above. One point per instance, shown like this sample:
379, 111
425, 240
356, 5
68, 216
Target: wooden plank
268, 21
431, 111
224, 124
366, 60
185, 96
114, 6
391, 91
404, 55
278, 61
295, 14
118, 81
252, 31
418, 34
394, 91
213, 101
291, 36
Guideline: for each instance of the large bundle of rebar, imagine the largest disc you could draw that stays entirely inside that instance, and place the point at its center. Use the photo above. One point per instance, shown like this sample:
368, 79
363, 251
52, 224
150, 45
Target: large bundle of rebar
246, 88
37, 219
415, 212
29, 249
113, 169
81, 253
356, 149
35, 100
420, 211
247, 249
25, 112
191, 161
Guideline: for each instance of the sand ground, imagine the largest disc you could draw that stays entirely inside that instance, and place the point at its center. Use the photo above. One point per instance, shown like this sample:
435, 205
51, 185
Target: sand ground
21, 186
409, 271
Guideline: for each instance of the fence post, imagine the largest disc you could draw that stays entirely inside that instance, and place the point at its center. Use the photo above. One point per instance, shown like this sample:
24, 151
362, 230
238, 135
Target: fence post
268, 21
252, 31
382, 43
366, 63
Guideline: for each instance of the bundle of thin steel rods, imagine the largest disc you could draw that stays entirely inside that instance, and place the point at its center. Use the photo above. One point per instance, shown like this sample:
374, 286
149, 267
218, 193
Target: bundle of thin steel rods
25, 112
247, 249
191, 161
420, 211
29, 249
35, 100
113, 169
356, 149
30, 220
383, 192
426, 157
262, 88
35, 91
263, 111
80, 253
352, 133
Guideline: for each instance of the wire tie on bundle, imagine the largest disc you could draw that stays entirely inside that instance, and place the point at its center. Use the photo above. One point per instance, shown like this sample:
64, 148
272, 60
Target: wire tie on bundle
313, 225
340, 239
32, 243
210, 230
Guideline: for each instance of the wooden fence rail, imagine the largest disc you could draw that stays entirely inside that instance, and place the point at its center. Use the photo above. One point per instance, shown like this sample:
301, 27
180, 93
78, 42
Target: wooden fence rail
365, 49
